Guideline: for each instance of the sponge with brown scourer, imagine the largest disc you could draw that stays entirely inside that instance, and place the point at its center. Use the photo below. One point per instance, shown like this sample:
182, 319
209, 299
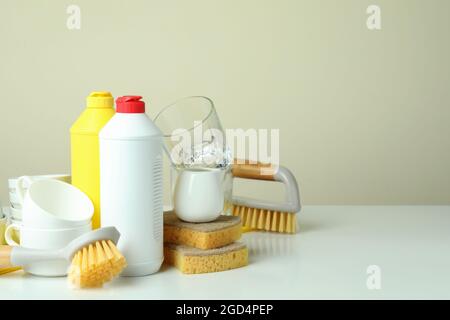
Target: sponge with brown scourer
219, 233
192, 260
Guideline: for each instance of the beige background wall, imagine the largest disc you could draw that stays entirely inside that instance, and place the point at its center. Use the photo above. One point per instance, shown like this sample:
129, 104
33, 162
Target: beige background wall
364, 115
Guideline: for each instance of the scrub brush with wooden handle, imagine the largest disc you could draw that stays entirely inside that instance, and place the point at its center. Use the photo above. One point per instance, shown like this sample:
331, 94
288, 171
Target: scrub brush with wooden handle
263, 214
95, 258
9, 270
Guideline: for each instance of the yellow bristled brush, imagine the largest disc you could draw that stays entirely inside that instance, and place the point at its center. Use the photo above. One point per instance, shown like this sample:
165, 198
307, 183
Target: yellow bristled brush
95, 258
96, 264
262, 214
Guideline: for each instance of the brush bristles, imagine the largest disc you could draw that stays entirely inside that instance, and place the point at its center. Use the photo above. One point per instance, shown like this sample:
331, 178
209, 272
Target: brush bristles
96, 264
260, 219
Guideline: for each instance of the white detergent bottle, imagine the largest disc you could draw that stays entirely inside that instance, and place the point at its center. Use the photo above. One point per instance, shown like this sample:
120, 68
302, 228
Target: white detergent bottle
131, 185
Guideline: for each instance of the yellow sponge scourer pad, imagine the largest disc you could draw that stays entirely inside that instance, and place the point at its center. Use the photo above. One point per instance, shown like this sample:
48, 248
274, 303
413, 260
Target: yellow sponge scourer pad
192, 260
219, 233
204, 247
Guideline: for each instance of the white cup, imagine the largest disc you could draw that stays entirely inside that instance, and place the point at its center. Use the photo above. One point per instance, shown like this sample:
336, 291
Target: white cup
2, 229
53, 204
14, 233
45, 239
199, 195
25, 183
14, 200
5, 212
15, 214
12, 182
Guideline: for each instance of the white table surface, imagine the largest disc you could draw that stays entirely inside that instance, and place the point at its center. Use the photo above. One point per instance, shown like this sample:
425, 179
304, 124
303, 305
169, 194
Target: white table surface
327, 259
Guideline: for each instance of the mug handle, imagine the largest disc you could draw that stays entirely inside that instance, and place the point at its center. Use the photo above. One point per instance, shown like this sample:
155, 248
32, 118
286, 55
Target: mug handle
8, 236
19, 187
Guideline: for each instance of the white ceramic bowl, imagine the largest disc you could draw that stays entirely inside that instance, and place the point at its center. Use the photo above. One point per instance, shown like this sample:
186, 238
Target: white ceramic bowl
3, 223
14, 200
52, 204
12, 213
15, 213
12, 182
5, 212
15, 234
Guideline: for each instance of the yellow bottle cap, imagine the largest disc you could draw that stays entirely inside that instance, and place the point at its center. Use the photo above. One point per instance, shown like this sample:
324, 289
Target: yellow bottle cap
100, 99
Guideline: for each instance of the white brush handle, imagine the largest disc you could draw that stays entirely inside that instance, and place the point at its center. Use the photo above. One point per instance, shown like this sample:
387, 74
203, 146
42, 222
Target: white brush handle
269, 173
23, 256
11, 256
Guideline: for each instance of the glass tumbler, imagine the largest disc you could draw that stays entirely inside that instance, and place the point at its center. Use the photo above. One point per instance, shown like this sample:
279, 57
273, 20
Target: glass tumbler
195, 140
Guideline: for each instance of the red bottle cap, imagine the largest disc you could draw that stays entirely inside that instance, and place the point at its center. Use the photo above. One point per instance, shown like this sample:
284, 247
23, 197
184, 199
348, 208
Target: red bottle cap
130, 104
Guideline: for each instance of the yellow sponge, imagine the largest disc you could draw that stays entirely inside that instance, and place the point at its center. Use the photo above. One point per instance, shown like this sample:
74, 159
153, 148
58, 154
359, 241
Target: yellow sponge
192, 260
219, 233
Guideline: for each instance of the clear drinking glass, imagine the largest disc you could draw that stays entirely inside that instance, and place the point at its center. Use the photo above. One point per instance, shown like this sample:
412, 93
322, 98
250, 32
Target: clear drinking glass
195, 140
193, 134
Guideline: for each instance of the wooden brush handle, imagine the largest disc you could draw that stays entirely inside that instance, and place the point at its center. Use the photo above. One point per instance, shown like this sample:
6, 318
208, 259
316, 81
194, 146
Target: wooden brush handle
5, 256
9, 270
258, 171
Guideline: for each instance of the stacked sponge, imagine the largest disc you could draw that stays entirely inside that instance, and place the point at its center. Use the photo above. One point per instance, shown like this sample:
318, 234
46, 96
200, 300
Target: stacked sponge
204, 247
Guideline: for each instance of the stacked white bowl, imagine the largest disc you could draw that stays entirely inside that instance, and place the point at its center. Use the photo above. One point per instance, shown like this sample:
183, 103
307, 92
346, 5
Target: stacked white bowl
13, 213
3, 222
46, 213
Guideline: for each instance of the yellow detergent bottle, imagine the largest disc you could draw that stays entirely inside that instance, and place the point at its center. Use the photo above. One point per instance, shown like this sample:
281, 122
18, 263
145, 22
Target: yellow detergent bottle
85, 147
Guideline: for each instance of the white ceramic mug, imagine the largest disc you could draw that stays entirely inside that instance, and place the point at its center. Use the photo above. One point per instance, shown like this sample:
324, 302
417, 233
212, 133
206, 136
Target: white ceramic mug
15, 214
5, 212
53, 204
199, 195
15, 233
12, 182
25, 183
14, 200
2, 229
45, 239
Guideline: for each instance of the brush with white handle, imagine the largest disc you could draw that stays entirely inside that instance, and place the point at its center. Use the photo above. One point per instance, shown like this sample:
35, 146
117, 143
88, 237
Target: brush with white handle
95, 258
